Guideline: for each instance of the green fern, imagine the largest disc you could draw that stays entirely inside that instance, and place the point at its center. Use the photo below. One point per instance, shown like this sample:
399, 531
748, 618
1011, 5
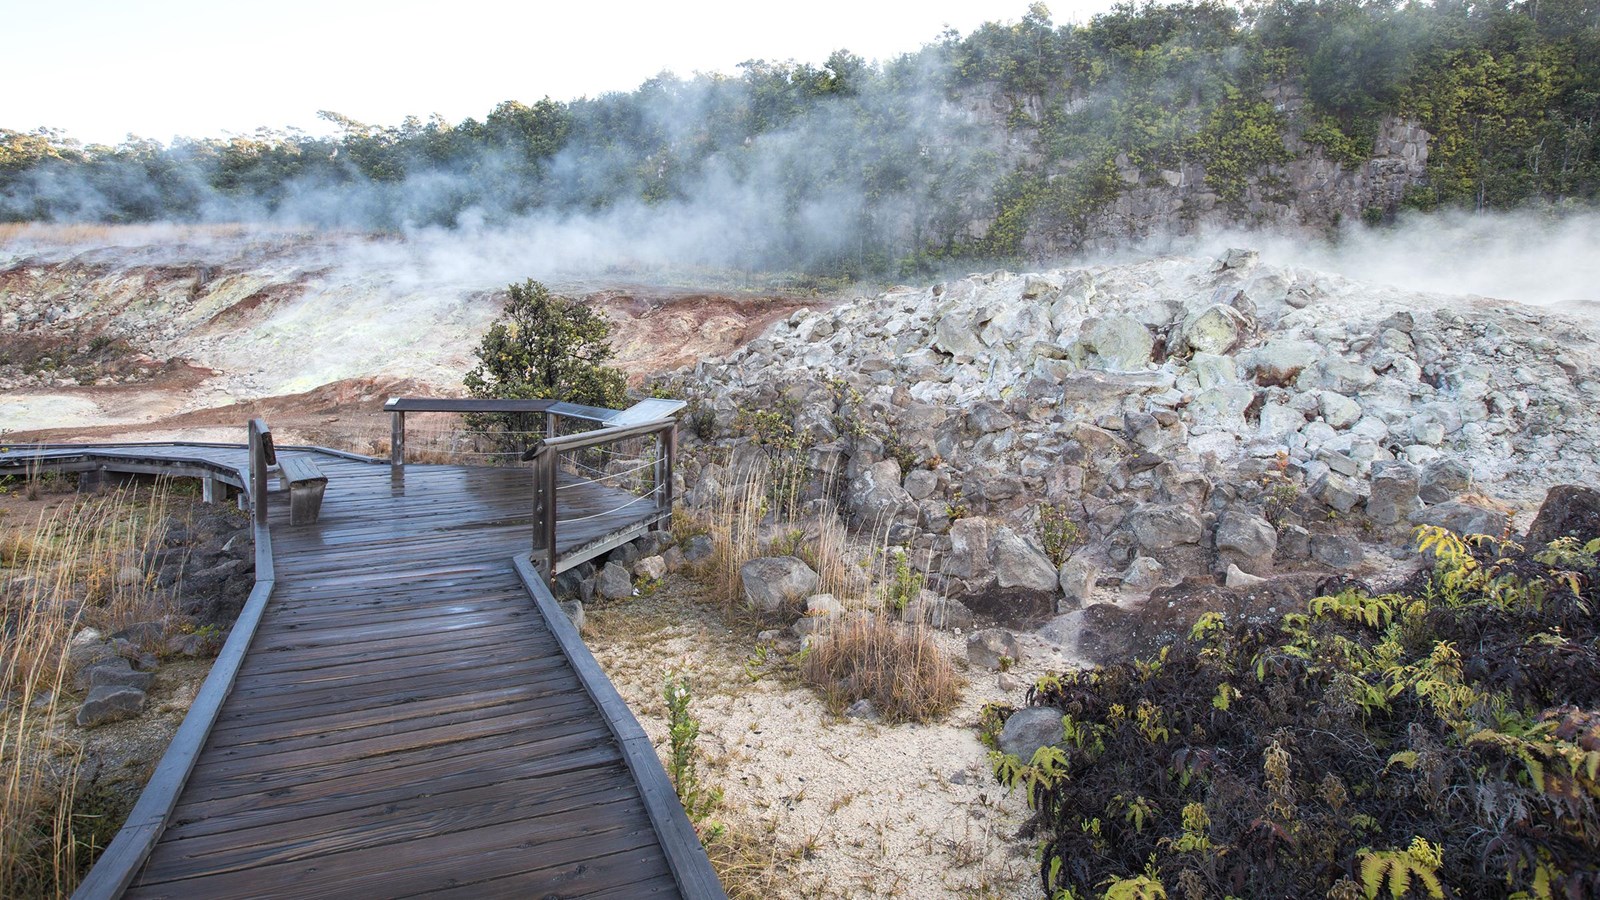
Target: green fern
1398, 868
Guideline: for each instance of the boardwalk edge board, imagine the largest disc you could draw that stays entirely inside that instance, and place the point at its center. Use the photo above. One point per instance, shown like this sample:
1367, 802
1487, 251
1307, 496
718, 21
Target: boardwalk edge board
691, 868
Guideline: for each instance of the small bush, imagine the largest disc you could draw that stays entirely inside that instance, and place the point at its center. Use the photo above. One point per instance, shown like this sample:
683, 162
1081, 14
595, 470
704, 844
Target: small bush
904, 584
683, 731
898, 667
1058, 532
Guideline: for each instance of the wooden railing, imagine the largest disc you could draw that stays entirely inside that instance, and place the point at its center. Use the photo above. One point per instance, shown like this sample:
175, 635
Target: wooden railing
151, 813
652, 507
553, 411
263, 456
553, 453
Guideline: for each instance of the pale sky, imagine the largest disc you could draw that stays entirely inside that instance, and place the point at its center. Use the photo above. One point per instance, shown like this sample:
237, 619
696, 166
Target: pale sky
102, 69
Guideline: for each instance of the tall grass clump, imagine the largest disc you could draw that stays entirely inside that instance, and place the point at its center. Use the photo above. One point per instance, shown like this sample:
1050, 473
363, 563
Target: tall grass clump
735, 531
77, 565
898, 667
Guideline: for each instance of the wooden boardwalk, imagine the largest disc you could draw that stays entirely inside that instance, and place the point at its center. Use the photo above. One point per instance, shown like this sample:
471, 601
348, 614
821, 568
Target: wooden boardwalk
409, 719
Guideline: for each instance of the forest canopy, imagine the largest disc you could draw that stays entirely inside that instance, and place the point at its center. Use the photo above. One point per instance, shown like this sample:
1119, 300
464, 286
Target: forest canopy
957, 150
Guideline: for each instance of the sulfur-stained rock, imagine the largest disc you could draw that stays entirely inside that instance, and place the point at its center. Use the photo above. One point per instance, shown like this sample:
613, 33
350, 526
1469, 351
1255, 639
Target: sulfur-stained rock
1215, 329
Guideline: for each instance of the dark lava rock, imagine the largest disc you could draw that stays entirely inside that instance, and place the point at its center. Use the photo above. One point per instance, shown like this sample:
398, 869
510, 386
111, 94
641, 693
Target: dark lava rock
1029, 729
110, 703
1569, 510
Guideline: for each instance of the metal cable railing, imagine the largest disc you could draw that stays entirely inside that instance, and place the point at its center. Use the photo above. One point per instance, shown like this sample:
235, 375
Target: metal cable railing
613, 511
606, 466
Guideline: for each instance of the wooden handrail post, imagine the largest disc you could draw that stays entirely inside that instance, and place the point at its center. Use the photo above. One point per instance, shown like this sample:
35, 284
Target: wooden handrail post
397, 437
549, 425
548, 478
544, 512
262, 457
669, 455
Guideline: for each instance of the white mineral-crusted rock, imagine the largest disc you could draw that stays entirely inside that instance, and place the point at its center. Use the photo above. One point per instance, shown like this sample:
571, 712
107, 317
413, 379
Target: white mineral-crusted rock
1119, 343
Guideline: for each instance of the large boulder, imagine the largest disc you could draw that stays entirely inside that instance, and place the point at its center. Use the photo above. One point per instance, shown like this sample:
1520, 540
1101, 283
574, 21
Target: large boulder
1445, 479
1342, 376
698, 550
774, 583
1030, 728
940, 612
1336, 551
968, 558
1247, 540
1119, 343
1342, 492
1394, 492
614, 582
1077, 577
876, 496
1164, 526
1569, 510
822, 610
110, 703
957, 334
650, 568
987, 418
1338, 410
1280, 361
1278, 421
1215, 329
993, 648
1019, 563
1464, 518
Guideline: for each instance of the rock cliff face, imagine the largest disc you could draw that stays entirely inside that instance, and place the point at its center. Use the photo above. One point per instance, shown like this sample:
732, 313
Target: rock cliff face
1193, 417
1309, 192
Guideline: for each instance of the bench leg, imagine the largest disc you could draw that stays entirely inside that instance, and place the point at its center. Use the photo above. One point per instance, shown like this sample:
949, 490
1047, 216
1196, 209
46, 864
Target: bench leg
211, 489
305, 502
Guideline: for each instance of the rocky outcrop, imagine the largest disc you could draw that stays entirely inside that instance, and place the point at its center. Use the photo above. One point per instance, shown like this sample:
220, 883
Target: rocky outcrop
1277, 420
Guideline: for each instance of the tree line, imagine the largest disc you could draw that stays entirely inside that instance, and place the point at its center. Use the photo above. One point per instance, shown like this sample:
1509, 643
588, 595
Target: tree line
961, 149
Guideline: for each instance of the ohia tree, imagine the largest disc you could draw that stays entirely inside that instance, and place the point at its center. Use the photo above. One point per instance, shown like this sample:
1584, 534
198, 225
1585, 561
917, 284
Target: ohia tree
545, 346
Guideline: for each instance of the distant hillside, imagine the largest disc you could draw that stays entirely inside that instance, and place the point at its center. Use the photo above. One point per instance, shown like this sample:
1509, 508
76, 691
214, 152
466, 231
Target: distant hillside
1018, 140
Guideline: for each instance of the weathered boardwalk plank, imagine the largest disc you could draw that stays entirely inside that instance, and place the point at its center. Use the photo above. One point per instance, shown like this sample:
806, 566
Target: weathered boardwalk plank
408, 720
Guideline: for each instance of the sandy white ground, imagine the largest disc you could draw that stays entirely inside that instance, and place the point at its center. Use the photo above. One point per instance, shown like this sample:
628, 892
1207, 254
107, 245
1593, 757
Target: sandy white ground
839, 807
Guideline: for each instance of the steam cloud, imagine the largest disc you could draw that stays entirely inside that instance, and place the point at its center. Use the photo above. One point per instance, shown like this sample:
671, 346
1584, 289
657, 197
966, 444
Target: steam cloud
847, 184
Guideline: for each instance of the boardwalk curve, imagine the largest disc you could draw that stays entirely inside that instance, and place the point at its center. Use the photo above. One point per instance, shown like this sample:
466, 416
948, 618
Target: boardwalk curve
412, 716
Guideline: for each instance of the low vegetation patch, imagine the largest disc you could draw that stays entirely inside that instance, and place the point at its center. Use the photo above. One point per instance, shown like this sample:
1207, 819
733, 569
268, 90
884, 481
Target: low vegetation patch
1440, 740
898, 667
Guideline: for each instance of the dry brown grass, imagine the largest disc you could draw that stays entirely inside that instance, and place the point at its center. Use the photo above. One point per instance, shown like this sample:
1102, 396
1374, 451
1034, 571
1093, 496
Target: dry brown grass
736, 533
80, 563
898, 667
751, 866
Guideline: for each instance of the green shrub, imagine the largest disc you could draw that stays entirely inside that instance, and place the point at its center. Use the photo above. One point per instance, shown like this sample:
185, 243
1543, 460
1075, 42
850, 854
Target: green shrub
1442, 739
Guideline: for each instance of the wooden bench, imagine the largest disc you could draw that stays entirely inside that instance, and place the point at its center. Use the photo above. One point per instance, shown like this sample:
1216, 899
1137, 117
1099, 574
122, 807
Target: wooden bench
306, 484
